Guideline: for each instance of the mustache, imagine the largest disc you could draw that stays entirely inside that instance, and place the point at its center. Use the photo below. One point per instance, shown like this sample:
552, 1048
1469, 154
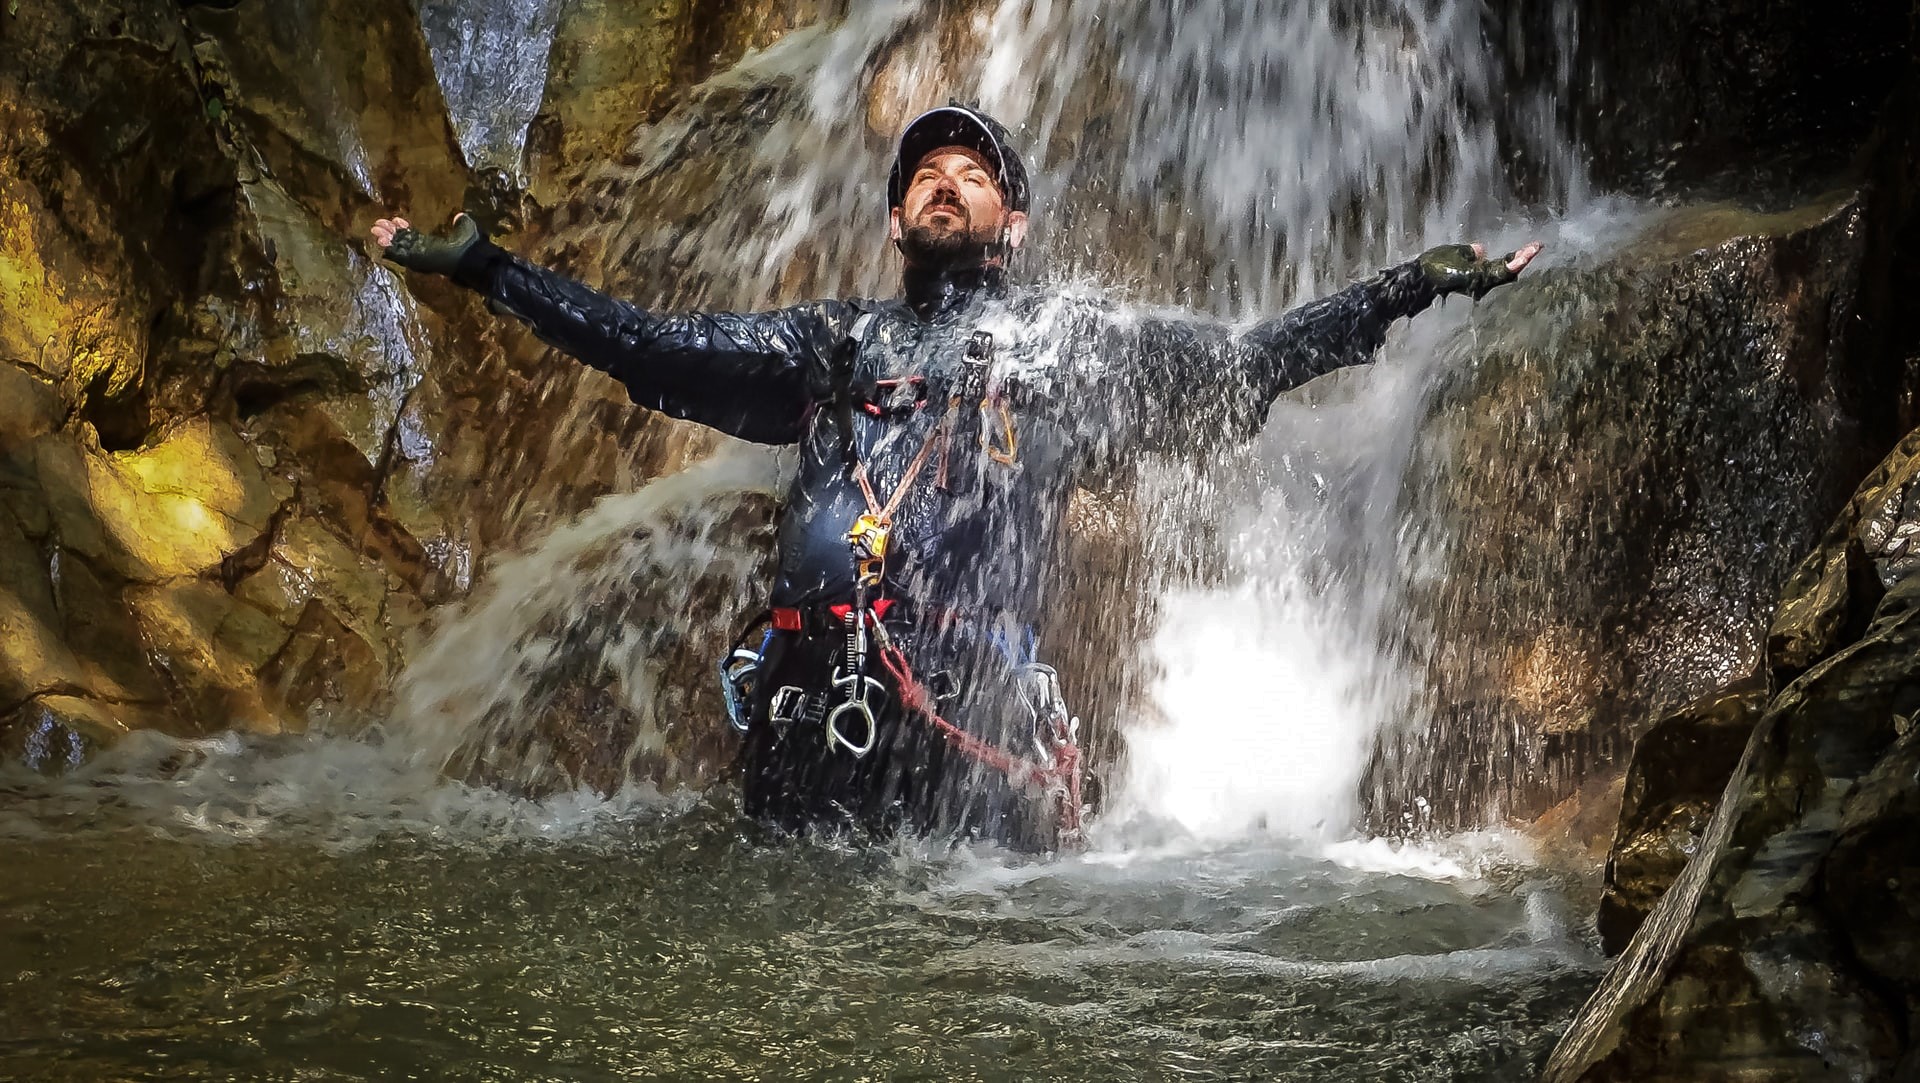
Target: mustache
948, 200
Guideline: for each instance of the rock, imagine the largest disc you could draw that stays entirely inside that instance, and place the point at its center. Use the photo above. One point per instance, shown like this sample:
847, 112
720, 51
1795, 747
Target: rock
1679, 769
1604, 567
63, 631
103, 635
28, 407
1572, 835
347, 333
178, 508
211, 649
1684, 93
55, 733
1872, 544
1873, 873
339, 100
1786, 948
327, 674
613, 67
34, 655
308, 563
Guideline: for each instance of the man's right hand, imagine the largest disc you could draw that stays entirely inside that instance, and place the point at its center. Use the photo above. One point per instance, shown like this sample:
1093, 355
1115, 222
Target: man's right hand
408, 247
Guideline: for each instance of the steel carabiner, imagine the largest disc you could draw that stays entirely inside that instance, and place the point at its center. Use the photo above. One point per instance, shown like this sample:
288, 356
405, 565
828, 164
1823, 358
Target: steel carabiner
860, 689
835, 736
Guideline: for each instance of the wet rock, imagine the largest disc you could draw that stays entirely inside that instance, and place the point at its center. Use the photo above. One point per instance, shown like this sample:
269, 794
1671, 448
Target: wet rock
34, 655
178, 508
1680, 768
1572, 836
103, 635
339, 100
1681, 94
64, 631
28, 407
210, 648
1605, 564
347, 335
1786, 947
102, 139
1873, 872
327, 674
56, 733
614, 66
309, 564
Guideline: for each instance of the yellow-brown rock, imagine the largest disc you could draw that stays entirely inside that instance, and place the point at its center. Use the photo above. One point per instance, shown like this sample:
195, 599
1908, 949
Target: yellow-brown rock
34, 654
212, 647
28, 407
178, 508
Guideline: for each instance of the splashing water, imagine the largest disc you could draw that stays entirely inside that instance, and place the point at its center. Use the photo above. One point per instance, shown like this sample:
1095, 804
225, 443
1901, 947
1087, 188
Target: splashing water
587, 630
491, 61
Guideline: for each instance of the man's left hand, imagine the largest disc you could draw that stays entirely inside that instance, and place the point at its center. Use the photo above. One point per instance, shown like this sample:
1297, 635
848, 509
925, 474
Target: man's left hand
1465, 268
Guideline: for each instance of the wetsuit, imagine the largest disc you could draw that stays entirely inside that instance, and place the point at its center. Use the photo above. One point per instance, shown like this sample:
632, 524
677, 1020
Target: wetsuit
1004, 399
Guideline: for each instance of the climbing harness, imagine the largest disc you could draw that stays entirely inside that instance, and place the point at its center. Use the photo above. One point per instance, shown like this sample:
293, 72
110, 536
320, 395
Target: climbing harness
847, 711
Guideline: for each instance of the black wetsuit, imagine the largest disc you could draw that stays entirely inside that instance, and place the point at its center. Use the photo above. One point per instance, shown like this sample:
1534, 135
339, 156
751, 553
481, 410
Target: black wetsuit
1070, 385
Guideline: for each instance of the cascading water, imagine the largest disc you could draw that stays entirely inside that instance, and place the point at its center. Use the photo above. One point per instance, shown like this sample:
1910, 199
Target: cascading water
492, 62
599, 610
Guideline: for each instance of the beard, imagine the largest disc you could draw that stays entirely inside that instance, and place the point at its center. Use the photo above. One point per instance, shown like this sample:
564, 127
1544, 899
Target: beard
958, 246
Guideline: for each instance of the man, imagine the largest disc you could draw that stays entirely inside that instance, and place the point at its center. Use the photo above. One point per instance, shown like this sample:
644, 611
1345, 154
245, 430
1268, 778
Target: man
893, 683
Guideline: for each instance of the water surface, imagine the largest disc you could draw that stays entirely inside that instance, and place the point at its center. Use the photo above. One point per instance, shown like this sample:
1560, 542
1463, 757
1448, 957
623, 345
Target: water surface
230, 910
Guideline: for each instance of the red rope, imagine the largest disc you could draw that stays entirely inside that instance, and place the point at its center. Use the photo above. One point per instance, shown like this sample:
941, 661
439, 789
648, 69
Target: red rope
1062, 779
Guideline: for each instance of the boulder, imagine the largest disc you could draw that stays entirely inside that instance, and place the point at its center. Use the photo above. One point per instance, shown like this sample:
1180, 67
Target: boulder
1680, 767
1604, 567
1785, 948
178, 508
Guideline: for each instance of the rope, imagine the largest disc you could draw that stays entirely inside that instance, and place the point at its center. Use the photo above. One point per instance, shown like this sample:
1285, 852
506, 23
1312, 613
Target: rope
1062, 779
884, 515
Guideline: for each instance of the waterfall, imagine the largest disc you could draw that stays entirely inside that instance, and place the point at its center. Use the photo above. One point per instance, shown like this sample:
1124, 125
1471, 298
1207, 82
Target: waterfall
1233, 156
491, 60
558, 673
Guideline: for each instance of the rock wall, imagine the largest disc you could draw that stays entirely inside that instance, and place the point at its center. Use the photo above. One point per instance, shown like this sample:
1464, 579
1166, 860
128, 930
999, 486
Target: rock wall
242, 461
1629, 462
1747, 98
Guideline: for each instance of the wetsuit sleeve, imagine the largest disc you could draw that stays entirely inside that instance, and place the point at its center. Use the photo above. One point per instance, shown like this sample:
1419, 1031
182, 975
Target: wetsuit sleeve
1193, 381
750, 375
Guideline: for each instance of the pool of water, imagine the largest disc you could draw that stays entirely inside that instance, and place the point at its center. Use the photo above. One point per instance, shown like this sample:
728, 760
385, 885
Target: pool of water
304, 910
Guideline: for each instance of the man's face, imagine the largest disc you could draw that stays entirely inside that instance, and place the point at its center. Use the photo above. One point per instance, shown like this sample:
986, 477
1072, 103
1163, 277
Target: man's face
953, 211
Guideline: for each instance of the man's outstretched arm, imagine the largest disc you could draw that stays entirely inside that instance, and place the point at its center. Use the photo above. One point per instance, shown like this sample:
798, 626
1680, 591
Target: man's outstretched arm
750, 375
1194, 381
1348, 327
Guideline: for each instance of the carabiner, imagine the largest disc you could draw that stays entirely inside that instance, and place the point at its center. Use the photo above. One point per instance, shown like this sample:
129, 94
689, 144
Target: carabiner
834, 736
736, 670
859, 690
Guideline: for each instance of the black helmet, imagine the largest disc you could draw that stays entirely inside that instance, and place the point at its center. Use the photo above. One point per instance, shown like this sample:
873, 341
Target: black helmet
956, 125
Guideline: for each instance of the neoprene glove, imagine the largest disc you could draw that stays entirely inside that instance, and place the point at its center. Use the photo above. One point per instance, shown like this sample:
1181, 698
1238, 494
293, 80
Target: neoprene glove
1453, 268
431, 253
